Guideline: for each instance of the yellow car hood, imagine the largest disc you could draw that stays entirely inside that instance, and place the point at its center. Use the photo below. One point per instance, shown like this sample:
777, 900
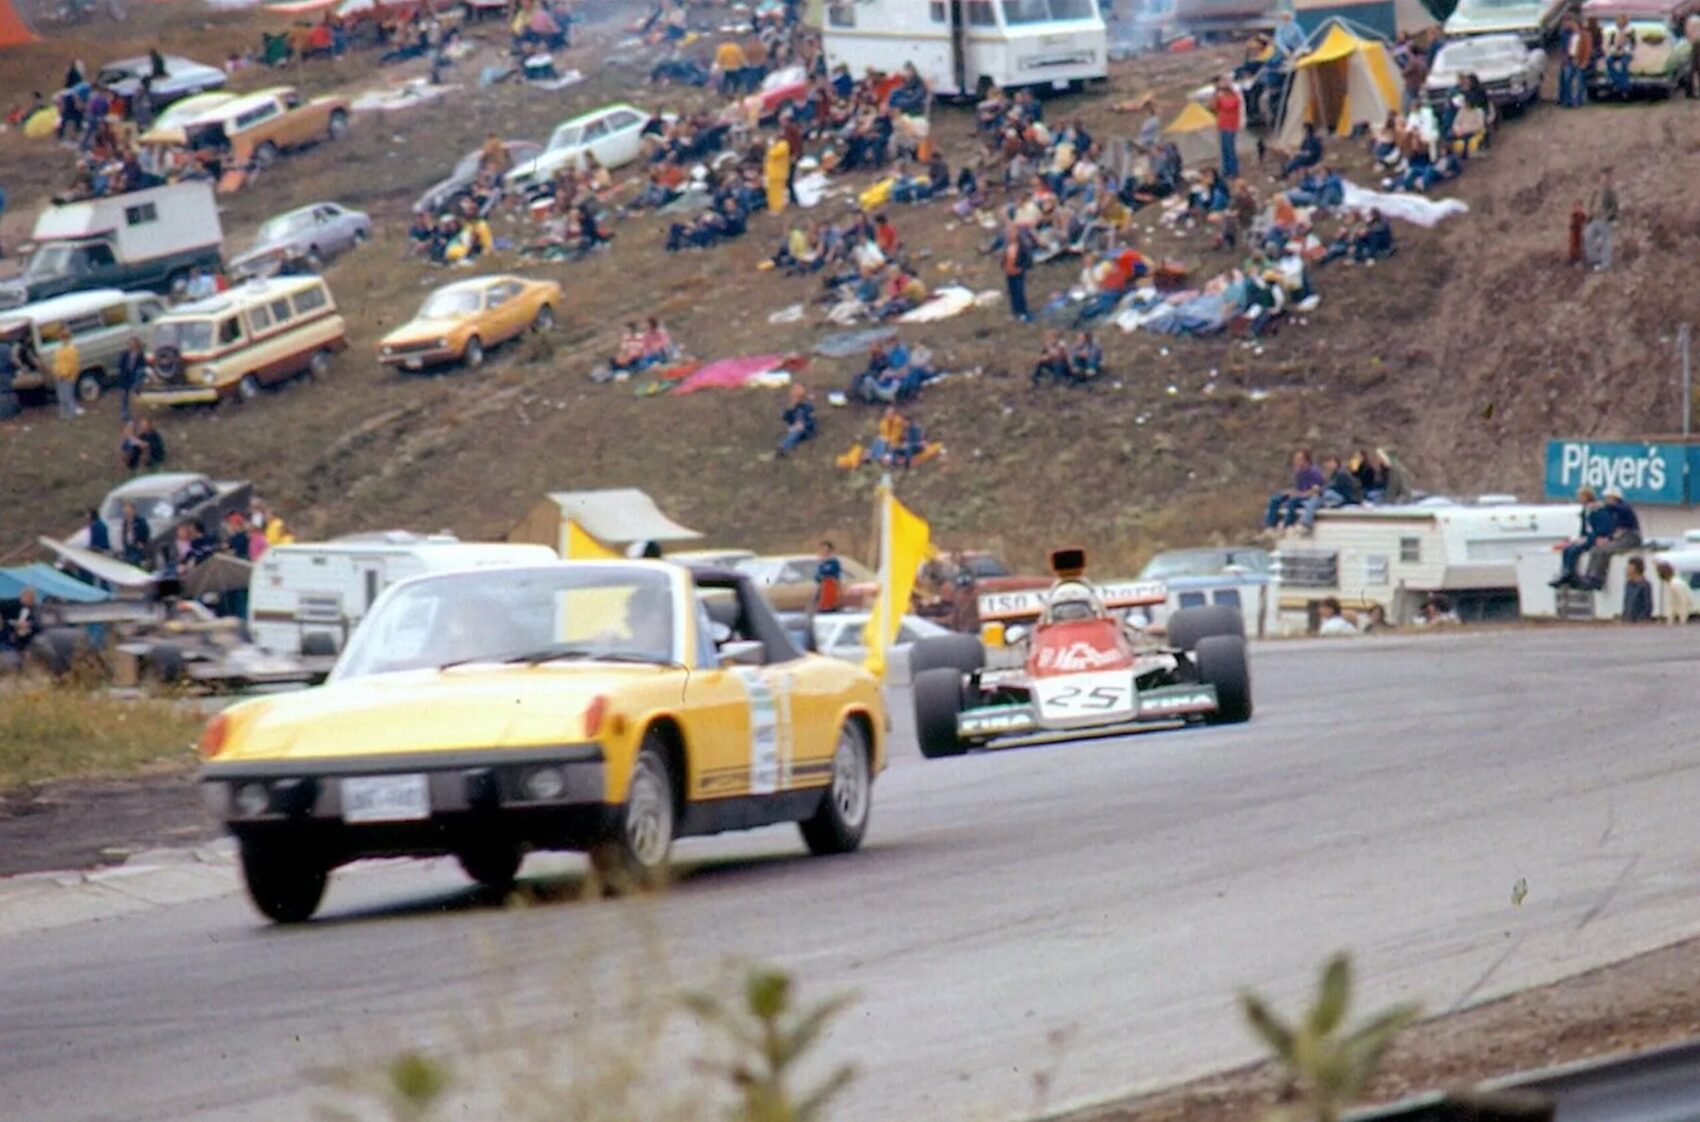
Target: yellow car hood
423, 331
424, 711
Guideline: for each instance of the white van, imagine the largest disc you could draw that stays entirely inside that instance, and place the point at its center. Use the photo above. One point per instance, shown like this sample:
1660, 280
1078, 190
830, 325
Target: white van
100, 323
960, 45
306, 599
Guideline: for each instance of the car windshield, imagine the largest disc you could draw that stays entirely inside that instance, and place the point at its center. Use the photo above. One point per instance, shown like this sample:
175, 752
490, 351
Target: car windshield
1204, 563
49, 261
447, 305
591, 611
985, 566
114, 74
187, 336
1467, 53
156, 509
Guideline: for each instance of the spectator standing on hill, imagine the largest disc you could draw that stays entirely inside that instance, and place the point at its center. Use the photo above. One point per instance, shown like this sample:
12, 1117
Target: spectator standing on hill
1602, 215
1230, 118
799, 420
829, 581
1575, 46
100, 538
1414, 75
1017, 259
1679, 599
1625, 535
1637, 593
134, 535
67, 364
132, 369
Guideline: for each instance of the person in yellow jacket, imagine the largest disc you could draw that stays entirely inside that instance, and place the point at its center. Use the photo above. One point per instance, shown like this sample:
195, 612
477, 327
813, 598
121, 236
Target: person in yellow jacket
729, 61
777, 171
67, 364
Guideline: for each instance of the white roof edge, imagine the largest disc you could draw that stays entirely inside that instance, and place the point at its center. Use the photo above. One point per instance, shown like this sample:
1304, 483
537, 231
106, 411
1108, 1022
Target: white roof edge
620, 516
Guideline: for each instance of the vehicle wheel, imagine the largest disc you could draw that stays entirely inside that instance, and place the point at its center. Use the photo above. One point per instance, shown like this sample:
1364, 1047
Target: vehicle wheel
962, 653
473, 355
338, 124
492, 864
315, 260
838, 826
938, 699
544, 320
88, 387
248, 388
1222, 663
319, 365
361, 234
640, 839
1189, 626
285, 887
265, 155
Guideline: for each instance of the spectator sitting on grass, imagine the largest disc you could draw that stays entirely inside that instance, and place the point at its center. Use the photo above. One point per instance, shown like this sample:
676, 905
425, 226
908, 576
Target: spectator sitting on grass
1053, 364
1085, 358
799, 418
1309, 154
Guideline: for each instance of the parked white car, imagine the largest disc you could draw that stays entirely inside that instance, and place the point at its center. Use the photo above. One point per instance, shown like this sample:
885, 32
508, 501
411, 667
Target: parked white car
184, 77
840, 634
1509, 70
613, 134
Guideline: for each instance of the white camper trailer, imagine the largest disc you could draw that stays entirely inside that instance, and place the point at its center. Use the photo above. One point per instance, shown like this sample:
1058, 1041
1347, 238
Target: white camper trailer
1395, 557
306, 599
959, 45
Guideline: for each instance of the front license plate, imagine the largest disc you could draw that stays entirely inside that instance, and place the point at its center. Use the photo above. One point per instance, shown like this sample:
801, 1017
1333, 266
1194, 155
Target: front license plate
386, 798
415, 364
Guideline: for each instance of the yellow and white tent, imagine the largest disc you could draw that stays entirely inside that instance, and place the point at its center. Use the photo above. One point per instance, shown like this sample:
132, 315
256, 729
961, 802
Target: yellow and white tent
1193, 131
1341, 83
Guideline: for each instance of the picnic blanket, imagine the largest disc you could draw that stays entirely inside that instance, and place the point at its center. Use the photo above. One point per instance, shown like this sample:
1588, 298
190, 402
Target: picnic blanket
844, 344
1418, 209
733, 373
949, 301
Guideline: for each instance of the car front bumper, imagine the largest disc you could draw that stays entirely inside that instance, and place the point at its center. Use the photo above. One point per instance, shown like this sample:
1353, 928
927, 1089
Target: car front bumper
474, 797
419, 360
180, 395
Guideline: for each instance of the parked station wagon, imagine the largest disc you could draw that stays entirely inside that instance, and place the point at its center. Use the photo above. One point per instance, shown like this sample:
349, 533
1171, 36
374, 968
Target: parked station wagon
100, 323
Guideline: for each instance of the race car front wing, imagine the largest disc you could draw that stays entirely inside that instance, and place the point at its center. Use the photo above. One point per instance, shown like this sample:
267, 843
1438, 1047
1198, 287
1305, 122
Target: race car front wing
1165, 703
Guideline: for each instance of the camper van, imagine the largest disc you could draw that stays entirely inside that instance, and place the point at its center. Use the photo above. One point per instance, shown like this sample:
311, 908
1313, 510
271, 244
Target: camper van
959, 46
1395, 557
1535, 20
305, 600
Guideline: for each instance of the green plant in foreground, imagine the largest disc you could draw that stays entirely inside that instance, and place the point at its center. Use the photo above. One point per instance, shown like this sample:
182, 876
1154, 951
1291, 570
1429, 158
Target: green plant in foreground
1325, 1065
769, 1040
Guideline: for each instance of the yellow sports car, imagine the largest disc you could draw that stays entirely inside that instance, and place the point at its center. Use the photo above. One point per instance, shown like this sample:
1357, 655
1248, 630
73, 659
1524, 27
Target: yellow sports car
604, 706
462, 322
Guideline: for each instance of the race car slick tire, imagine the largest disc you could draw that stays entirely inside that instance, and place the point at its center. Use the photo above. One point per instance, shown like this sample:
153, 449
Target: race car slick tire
962, 653
1222, 663
1190, 626
491, 864
640, 837
285, 887
838, 826
938, 699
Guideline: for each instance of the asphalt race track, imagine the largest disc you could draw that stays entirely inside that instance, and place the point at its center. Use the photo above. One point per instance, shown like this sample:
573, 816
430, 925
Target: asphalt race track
1108, 897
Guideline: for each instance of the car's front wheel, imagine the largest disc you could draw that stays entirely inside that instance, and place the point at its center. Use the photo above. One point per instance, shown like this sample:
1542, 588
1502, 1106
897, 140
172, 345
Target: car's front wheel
491, 864
838, 826
938, 699
1222, 663
285, 887
640, 838
544, 320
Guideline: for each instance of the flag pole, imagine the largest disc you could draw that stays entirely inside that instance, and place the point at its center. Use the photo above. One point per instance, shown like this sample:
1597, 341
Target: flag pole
885, 572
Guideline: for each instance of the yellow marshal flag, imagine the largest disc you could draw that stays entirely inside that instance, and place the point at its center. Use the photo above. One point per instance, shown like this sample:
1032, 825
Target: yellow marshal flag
905, 542
582, 547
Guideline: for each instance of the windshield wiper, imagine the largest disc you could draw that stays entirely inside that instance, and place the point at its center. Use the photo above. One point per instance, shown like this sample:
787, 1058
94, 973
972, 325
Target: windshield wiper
574, 654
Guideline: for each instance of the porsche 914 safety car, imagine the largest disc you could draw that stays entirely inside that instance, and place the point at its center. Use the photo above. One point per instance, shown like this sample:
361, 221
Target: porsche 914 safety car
607, 706
1085, 671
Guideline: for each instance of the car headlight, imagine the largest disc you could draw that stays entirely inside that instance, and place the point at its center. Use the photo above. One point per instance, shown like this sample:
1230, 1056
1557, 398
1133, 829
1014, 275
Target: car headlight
388, 350
441, 343
252, 800
209, 375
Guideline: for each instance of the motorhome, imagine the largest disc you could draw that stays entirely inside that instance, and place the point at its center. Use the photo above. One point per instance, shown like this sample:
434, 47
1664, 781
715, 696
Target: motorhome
1396, 557
306, 599
961, 46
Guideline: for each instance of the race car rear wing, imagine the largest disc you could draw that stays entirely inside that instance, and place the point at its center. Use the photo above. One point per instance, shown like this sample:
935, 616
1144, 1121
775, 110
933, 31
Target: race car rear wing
1030, 603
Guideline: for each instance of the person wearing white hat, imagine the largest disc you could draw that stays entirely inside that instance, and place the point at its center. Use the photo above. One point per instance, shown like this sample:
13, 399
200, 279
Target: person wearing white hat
1625, 537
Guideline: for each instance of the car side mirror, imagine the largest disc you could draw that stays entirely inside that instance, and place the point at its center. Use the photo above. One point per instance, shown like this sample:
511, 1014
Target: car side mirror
743, 652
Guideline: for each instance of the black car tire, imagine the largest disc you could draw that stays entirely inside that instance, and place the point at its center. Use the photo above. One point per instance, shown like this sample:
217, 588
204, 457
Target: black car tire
1188, 627
938, 699
1222, 663
248, 388
635, 851
265, 155
491, 864
473, 355
285, 887
89, 387
318, 644
838, 826
962, 653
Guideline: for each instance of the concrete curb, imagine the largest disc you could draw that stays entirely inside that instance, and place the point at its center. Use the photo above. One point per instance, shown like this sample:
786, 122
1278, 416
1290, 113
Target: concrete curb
152, 879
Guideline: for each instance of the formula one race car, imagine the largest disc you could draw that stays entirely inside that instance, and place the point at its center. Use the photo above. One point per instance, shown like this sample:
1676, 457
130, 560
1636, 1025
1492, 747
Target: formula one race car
1085, 671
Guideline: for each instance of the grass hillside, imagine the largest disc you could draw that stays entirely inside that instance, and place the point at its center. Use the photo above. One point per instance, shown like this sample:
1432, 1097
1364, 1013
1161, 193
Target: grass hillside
1465, 350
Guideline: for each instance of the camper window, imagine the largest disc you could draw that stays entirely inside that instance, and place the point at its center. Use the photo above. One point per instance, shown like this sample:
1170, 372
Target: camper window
229, 331
84, 325
936, 11
280, 310
140, 215
1041, 11
309, 299
982, 14
115, 315
259, 318
1410, 550
841, 13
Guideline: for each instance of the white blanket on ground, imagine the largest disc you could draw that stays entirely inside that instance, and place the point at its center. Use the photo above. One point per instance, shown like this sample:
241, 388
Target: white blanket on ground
1419, 209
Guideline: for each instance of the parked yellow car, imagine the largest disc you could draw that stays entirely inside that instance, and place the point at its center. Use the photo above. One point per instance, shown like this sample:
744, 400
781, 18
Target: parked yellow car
604, 706
462, 322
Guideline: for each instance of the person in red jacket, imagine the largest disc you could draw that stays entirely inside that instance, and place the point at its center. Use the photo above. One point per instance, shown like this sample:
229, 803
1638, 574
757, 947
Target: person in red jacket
1229, 108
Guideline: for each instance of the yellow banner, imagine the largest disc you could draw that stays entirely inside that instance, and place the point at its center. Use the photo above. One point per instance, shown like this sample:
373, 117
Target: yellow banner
906, 543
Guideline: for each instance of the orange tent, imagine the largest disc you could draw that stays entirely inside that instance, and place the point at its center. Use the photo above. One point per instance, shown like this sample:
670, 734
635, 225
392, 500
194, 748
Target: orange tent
14, 32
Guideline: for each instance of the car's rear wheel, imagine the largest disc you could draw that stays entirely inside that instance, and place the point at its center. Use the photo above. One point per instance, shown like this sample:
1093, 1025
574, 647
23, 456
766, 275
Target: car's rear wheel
265, 155
1188, 627
338, 124
473, 355
544, 320
938, 699
319, 365
248, 388
491, 864
285, 887
1222, 663
838, 826
635, 852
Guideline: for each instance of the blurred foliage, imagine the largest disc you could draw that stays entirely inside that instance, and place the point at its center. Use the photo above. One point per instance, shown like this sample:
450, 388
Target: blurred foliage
62, 732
